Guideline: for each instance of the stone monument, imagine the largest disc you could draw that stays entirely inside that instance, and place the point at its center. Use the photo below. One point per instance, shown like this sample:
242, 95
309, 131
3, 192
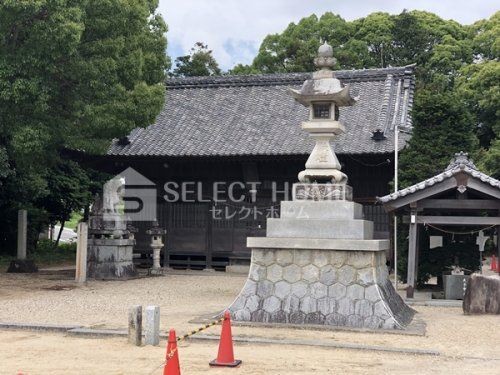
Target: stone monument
110, 243
319, 263
22, 264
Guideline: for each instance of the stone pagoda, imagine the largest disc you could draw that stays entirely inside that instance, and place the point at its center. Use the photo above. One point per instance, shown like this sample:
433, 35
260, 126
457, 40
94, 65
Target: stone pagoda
319, 263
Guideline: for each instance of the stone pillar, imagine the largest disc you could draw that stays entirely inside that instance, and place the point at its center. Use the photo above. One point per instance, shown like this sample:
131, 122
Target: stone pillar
152, 327
81, 253
135, 325
21, 264
22, 233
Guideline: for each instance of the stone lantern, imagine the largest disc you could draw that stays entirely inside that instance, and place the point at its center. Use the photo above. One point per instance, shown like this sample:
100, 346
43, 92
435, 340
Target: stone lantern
319, 263
324, 94
156, 234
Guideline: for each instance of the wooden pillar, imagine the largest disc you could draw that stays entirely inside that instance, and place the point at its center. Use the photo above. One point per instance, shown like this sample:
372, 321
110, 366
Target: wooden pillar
167, 224
412, 254
417, 251
498, 247
208, 239
391, 217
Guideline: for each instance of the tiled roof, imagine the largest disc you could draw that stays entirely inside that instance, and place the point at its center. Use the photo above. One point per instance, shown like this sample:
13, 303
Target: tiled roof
255, 115
459, 164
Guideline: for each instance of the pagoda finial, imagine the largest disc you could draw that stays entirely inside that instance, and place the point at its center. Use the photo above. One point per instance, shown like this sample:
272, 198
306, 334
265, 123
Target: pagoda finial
325, 59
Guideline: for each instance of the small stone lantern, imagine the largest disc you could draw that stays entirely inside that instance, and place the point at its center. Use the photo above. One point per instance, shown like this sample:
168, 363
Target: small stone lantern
156, 234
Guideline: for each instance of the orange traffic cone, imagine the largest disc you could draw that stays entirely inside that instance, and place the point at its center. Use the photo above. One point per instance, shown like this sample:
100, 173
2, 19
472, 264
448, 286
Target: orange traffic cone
172, 357
493, 265
225, 358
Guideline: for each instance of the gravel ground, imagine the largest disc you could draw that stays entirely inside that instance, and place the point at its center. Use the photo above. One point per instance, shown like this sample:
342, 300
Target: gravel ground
41, 299
469, 344
34, 353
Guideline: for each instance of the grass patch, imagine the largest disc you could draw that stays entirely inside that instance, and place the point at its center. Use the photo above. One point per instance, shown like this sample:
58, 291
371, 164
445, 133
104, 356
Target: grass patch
72, 223
47, 253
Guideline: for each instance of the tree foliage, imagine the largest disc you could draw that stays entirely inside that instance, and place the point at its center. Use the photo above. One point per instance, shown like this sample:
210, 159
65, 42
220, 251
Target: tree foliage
478, 83
442, 127
74, 74
377, 40
199, 62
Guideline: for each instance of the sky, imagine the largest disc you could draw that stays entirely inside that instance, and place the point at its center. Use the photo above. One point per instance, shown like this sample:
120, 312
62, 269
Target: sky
234, 29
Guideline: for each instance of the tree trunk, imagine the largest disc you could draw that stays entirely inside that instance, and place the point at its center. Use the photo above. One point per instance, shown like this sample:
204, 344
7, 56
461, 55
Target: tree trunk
86, 213
60, 233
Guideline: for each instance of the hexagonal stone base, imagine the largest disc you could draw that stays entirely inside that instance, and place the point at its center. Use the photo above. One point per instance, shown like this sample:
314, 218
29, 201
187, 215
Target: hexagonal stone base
331, 287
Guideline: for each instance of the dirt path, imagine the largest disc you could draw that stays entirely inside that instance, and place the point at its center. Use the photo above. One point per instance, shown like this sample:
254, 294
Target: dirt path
34, 353
472, 340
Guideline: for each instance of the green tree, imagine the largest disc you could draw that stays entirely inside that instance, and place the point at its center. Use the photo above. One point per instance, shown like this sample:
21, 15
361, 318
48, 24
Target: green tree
478, 83
242, 69
74, 74
491, 159
441, 127
199, 62
376, 32
377, 40
486, 37
416, 33
294, 50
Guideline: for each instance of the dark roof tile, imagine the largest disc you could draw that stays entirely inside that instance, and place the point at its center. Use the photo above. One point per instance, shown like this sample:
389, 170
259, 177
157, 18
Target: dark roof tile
255, 115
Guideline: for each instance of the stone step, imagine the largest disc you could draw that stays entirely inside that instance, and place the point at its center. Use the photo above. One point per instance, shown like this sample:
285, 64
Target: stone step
320, 228
321, 210
317, 244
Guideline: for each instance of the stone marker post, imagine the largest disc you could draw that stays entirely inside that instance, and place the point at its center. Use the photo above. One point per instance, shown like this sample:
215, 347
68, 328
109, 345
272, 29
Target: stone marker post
135, 325
152, 328
22, 233
81, 253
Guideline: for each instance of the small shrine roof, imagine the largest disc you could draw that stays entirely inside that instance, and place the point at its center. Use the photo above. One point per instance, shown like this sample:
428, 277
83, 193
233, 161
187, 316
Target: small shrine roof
460, 163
